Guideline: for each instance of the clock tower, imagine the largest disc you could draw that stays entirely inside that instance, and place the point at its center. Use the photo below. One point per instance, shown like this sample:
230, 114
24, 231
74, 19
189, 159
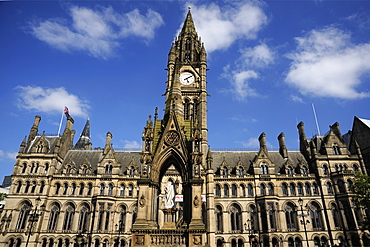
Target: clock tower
172, 186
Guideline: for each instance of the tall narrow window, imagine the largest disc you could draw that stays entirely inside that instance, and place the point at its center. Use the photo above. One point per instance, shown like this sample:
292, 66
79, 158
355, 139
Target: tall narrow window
122, 190
219, 222
24, 167
263, 189
23, 217
110, 189
68, 218
57, 188
336, 149
19, 186
73, 189
284, 189
83, 221
233, 190
307, 188
42, 186
250, 190
291, 216
46, 169
226, 190
292, 189
235, 215
122, 219
300, 189
89, 189
270, 189
218, 190
102, 188
82, 187
186, 109
33, 189
130, 190
65, 188
53, 218
315, 214
335, 214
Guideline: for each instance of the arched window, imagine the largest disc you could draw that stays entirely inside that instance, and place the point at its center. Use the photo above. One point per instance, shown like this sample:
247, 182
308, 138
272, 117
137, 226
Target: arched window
122, 190
28, 184
292, 189
307, 187
242, 190
291, 216
234, 190
32, 167
300, 189
42, 186
304, 170
325, 169
341, 187
329, 188
315, 189
82, 187
264, 168
46, 169
19, 186
263, 189
54, 216
250, 190
33, 188
102, 188
290, 242
240, 171
226, 190
315, 214
219, 221
289, 170
122, 219
89, 189
298, 242
335, 214
284, 189
57, 188
83, 221
270, 189
65, 189
110, 189
73, 189
24, 167
253, 218
316, 242
349, 185
130, 190
336, 149
23, 216
68, 217
236, 217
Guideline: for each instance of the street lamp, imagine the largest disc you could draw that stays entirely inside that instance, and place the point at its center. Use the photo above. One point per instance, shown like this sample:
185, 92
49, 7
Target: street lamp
33, 219
303, 221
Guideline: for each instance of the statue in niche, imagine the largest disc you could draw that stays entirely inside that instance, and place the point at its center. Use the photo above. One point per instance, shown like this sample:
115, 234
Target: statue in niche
170, 194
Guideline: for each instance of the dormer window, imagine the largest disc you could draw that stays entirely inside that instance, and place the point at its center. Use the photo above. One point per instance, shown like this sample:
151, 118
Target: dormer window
224, 171
336, 149
264, 168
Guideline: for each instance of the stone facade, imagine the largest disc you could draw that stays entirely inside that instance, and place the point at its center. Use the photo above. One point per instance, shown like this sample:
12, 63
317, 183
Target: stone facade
178, 192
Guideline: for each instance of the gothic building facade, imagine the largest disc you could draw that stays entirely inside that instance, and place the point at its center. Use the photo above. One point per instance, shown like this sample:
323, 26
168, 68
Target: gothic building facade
176, 191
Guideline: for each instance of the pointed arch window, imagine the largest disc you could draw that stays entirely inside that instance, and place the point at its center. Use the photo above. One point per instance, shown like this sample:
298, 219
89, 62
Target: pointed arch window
284, 189
110, 189
226, 190
89, 189
42, 186
291, 216
68, 217
325, 169
19, 186
307, 188
329, 188
263, 189
102, 188
83, 221
122, 190
335, 214
23, 216
292, 189
219, 221
82, 187
336, 150
130, 190
300, 189
236, 217
250, 190
28, 184
264, 168
270, 189
234, 190
315, 214
242, 190
73, 189
24, 167
46, 169
32, 167
53, 218
315, 189
218, 190
65, 189
33, 189
57, 188
341, 187
122, 219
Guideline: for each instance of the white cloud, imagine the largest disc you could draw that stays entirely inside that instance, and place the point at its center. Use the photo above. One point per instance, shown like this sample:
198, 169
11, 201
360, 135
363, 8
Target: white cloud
131, 144
96, 32
296, 98
327, 64
258, 56
251, 143
220, 28
8, 155
50, 100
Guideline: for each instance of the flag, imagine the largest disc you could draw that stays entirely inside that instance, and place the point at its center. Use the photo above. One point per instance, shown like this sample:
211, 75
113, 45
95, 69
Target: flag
66, 111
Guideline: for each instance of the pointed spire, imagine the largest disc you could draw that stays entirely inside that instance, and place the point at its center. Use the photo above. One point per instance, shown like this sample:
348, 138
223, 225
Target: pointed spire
23, 145
84, 141
188, 26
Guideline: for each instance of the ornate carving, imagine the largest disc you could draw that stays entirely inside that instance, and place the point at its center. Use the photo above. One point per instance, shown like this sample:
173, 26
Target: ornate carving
142, 201
140, 240
172, 138
196, 201
197, 240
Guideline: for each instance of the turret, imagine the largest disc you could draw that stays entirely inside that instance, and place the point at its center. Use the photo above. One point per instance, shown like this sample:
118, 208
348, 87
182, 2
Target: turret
108, 142
34, 129
262, 140
282, 147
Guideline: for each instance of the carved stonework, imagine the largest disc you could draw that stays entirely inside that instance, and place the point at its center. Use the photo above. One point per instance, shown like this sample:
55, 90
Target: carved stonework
140, 240
196, 201
142, 201
197, 239
172, 138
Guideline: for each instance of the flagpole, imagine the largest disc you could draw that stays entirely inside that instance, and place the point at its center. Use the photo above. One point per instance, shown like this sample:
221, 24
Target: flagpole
60, 124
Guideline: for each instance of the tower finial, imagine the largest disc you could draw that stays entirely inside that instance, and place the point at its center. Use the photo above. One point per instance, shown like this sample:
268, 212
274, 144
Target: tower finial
189, 7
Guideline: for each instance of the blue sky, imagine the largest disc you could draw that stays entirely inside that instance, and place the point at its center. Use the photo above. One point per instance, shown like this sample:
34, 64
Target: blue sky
268, 61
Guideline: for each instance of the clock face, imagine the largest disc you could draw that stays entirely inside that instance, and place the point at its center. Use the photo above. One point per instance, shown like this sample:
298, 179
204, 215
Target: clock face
186, 78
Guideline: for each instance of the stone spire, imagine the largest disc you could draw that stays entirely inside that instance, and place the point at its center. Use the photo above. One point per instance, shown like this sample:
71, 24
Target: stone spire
84, 141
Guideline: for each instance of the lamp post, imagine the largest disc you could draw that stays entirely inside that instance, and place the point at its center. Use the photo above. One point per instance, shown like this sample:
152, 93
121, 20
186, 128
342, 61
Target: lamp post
33, 218
303, 221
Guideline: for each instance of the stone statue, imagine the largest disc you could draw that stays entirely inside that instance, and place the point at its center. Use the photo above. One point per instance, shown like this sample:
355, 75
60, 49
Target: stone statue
170, 194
